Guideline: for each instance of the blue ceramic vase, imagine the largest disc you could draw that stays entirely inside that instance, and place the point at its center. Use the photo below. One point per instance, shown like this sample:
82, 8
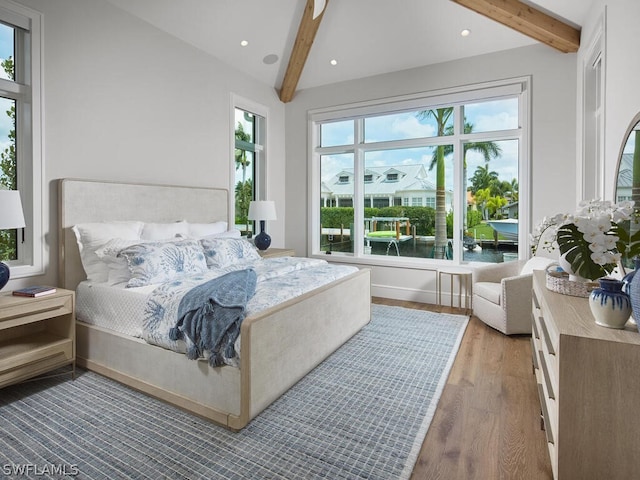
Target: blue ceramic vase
626, 280
4, 274
634, 295
611, 307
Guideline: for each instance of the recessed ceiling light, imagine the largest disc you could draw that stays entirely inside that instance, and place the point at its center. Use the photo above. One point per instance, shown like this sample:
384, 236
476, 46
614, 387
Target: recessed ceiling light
465, 32
244, 43
333, 62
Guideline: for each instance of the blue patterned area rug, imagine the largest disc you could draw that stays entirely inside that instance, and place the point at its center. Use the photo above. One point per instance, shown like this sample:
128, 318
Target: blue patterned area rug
362, 414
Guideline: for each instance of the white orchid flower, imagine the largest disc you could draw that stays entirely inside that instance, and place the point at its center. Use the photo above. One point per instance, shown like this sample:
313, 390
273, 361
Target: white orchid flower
593, 235
610, 241
599, 257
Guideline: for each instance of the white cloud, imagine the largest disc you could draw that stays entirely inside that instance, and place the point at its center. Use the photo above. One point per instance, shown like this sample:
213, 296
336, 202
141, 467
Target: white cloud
410, 126
491, 123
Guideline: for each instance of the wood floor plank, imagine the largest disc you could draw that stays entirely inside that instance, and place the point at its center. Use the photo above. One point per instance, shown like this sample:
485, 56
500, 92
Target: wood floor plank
487, 423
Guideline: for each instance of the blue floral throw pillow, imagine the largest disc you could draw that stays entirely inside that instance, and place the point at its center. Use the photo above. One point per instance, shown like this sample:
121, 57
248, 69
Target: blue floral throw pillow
159, 262
221, 252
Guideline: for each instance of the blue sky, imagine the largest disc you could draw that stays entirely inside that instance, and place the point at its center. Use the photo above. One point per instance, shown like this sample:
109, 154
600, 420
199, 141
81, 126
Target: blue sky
485, 117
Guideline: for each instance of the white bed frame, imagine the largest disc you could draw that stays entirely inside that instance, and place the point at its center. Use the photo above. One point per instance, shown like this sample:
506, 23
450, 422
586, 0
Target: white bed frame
279, 346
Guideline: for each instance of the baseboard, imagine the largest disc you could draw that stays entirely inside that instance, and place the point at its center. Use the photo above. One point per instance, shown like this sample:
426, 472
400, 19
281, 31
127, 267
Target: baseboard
402, 293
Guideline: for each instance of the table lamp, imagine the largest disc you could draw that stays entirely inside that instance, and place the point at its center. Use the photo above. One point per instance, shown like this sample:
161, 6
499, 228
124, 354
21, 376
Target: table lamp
11, 217
262, 210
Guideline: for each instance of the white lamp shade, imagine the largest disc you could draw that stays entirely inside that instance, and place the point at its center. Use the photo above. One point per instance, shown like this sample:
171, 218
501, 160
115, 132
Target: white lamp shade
262, 210
11, 215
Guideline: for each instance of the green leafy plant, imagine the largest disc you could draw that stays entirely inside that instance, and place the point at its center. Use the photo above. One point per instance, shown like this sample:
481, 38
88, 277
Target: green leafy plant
593, 239
578, 253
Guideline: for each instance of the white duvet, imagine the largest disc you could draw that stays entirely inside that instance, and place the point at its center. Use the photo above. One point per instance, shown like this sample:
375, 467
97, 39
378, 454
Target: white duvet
135, 312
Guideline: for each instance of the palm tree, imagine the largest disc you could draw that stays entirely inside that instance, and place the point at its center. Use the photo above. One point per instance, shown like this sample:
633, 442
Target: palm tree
441, 116
241, 154
244, 188
244, 194
482, 197
494, 204
488, 150
482, 178
514, 190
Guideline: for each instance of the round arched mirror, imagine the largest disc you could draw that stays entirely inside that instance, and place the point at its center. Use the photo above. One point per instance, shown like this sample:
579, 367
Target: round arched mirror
628, 179
628, 182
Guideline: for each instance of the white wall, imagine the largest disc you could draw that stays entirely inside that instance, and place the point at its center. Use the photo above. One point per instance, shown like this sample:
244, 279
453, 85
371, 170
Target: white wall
127, 102
553, 131
124, 101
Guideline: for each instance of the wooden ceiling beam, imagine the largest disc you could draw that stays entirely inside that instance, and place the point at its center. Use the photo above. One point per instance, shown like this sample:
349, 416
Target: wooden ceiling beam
528, 21
304, 39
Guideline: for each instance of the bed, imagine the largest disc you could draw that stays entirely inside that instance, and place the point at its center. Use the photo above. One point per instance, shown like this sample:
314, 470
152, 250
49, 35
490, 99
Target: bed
279, 345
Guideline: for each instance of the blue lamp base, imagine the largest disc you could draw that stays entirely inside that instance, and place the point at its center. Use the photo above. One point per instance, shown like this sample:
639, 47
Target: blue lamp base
262, 240
4, 275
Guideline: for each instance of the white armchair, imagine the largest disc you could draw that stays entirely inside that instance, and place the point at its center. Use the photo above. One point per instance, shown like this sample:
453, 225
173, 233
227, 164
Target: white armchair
502, 294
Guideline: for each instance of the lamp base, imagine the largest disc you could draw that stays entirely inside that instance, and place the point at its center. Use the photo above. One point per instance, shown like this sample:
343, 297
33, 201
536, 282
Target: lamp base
262, 241
4, 274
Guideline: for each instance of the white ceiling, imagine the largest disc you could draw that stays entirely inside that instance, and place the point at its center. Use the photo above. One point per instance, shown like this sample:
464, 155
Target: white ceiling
366, 37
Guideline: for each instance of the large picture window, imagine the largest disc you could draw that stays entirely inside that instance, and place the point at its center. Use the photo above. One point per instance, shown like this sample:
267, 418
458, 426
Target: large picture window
431, 178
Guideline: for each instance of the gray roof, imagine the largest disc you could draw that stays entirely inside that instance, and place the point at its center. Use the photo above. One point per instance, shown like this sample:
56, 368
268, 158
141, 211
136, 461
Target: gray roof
410, 178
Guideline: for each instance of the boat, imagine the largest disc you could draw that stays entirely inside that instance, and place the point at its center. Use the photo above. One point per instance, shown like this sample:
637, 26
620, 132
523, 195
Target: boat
508, 228
469, 243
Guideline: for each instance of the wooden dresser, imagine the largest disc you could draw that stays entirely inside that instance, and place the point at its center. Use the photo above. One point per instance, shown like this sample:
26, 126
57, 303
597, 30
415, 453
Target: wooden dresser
589, 384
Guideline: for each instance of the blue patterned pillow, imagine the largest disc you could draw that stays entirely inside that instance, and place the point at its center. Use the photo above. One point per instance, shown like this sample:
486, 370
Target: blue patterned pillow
159, 262
221, 252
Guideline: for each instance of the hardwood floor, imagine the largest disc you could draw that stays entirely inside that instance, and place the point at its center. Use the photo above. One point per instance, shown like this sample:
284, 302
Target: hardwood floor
487, 424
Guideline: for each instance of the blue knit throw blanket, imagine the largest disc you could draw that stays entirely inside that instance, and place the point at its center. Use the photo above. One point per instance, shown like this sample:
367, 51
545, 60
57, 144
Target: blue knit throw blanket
210, 315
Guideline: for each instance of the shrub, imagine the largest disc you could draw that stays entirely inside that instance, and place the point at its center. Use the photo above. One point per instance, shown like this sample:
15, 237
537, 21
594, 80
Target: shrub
423, 218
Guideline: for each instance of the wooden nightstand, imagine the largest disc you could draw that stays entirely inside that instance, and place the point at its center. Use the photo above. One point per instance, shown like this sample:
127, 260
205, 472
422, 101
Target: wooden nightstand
37, 335
277, 252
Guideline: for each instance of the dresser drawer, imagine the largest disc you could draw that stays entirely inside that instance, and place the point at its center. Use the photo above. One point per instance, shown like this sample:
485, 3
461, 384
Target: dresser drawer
19, 311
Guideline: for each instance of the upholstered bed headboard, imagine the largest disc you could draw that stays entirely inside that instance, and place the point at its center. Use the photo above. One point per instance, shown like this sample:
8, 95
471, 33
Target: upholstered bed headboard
81, 201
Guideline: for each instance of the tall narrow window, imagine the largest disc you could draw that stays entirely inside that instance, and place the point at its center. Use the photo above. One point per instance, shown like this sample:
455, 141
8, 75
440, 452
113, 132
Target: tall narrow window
593, 118
426, 178
248, 164
20, 130
8, 165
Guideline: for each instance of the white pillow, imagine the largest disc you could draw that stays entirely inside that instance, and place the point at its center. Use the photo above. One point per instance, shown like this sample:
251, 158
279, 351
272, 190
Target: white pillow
227, 234
92, 236
118, 266
199, 230
221, 252
536, 263
162, 231
159, 262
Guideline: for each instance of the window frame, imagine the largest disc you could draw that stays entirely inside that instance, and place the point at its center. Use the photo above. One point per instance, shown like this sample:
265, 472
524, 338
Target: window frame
260, 152
591, 184
456, 97
27, 91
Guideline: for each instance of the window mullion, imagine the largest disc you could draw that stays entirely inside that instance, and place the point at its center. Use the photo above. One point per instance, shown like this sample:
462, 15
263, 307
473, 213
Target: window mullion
459, 197
358, 188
